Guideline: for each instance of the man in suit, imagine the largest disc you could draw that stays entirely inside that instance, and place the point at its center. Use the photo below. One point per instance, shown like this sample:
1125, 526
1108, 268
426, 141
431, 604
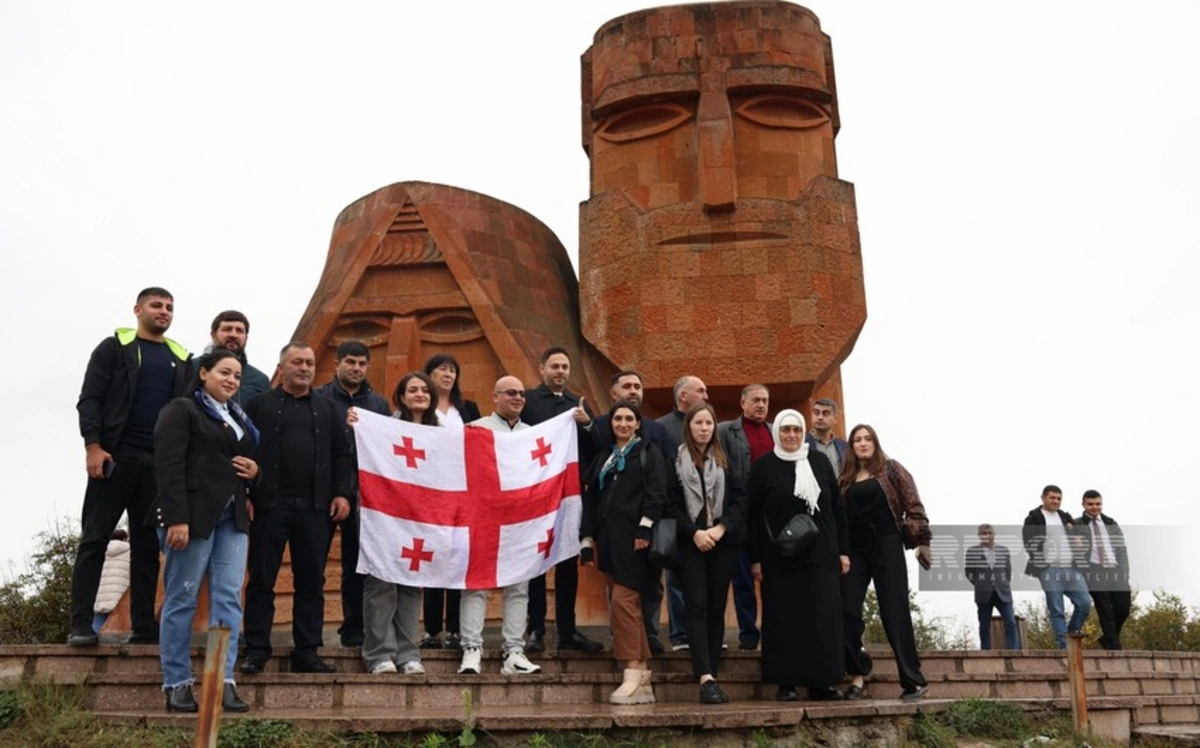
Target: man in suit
821, 437
547, 400
1108, 569
744, 440
989, 569
1053, 541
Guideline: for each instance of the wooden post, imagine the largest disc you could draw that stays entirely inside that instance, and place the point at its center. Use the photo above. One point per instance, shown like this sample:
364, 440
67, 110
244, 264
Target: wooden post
212, 687
1079, 714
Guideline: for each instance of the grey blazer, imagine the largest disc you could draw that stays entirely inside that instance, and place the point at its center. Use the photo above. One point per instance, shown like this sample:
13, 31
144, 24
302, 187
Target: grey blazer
987, 579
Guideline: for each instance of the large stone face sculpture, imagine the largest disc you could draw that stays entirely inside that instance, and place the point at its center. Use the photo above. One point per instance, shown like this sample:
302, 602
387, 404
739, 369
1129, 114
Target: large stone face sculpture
415, 269
717, 239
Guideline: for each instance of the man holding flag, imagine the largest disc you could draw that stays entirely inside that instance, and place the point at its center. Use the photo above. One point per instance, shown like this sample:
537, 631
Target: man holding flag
509, 398
474, 509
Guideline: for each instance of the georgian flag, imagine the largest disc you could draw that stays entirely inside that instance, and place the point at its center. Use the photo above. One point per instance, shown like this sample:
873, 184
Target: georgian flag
465, 508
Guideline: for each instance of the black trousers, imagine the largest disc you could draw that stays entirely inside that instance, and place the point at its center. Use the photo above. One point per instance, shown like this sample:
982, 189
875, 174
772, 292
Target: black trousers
130, 489
881, 558
433, 600
566, 586
705, 580
352, 581
305, 531
1112, 604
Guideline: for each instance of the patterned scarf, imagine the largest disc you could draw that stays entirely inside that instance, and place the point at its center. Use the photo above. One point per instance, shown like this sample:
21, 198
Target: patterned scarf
616, 460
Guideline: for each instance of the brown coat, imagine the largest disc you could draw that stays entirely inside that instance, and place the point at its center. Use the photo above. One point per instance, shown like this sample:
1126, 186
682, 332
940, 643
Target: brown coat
905, 502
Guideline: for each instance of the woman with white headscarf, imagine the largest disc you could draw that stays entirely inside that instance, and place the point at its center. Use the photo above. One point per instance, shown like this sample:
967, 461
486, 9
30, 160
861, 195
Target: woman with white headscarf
802, 639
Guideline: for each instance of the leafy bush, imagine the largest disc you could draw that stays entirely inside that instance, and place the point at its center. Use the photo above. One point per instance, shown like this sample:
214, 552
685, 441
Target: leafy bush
1164, 625
938, 632
35, 606
10, 708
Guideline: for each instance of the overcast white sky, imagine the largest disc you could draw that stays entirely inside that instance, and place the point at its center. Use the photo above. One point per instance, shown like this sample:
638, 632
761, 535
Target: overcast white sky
1027, 193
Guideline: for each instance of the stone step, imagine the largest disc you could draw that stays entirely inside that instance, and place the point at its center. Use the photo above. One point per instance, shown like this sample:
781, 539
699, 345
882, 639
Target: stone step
870, 721
140, 690
1167, 735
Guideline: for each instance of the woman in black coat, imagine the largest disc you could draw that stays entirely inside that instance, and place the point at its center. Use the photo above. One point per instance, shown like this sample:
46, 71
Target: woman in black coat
802, 623
455, 411
626, 490
708, 503
203, 467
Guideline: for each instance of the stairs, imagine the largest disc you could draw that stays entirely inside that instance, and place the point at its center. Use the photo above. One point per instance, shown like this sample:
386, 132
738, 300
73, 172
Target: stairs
1127, 691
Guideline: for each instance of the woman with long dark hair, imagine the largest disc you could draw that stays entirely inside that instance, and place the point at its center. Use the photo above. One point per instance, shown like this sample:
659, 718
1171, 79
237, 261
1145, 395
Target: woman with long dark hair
452, 410
885, 517
203, 462
391, 612
801, 626
708, 503
626, 490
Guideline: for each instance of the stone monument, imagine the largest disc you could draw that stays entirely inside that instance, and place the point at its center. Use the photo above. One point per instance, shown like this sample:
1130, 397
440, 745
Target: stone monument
717, 239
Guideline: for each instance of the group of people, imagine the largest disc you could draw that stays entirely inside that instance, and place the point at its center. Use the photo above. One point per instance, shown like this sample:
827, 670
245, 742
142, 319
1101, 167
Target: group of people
220, 472
731, 488
1073, 558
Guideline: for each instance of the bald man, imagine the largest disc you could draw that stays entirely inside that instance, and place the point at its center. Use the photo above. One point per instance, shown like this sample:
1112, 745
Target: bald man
508, 398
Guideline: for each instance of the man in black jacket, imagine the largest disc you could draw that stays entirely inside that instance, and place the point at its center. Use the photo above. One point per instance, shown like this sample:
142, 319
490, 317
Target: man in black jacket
230, 330
306, 476
351, 389
1108, 569
129, 378
547, 400
1054, 544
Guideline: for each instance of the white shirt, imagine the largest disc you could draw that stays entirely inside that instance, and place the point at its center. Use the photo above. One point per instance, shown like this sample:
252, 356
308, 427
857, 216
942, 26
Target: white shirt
1057, 550
1100, 539
223, 411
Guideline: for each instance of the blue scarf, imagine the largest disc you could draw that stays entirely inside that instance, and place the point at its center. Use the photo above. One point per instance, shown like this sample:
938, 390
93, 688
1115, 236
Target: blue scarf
234, 408
616, 460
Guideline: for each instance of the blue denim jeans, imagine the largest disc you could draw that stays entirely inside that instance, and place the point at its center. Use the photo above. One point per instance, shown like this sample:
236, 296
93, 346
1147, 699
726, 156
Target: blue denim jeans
1058, 582
1006, 615
222, 558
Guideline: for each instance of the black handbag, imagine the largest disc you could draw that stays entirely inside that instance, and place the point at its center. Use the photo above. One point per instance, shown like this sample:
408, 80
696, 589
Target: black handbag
797, 535
664, 544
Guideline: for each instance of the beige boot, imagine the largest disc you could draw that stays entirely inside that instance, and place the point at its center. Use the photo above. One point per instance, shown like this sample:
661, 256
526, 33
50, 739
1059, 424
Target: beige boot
645, 692
629, 691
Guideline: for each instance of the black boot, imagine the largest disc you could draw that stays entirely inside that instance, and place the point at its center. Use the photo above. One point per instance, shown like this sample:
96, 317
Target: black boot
231, 702
180, 699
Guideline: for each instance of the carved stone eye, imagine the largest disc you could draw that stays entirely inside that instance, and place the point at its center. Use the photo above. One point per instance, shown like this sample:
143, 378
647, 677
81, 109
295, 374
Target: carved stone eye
643, 122
777, 110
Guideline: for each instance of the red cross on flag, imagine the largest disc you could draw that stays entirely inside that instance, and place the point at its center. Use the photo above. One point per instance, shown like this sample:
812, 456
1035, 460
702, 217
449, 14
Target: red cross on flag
465, 508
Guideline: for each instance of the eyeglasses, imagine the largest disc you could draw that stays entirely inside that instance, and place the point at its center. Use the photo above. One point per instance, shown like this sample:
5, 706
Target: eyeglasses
512, 393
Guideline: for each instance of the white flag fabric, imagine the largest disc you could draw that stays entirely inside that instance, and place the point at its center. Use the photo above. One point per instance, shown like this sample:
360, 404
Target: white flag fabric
466, 508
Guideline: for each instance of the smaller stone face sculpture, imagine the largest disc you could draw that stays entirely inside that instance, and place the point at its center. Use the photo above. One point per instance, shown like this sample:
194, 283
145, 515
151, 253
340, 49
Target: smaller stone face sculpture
717, 239
416, 269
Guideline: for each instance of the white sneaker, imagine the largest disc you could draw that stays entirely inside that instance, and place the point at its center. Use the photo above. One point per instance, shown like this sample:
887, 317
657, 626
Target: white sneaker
516, 663
681, 647
412, 667
387, 666
471, 661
